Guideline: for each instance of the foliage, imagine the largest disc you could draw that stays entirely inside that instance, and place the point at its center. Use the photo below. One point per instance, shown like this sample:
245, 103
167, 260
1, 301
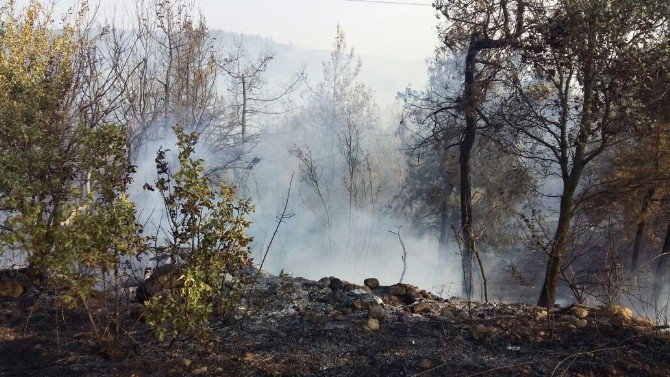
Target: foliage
206, 242
62, 185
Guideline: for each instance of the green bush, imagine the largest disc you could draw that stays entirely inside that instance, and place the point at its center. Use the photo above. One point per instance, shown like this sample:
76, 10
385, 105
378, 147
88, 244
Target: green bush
206, 242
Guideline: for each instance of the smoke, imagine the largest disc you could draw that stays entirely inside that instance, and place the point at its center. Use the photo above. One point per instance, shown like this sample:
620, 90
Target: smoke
326, 237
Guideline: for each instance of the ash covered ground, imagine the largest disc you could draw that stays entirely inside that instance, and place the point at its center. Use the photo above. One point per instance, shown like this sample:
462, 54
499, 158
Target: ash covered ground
298, 327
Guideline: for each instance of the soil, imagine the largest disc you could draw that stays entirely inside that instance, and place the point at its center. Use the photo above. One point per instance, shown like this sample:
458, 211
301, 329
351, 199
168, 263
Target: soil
297, 327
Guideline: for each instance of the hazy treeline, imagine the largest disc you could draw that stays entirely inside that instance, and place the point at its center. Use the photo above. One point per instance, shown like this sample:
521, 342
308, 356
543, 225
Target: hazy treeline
534, 158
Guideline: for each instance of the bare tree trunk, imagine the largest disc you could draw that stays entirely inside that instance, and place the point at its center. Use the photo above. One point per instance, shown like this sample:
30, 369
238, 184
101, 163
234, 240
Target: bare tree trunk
662, 266
448, 184
639, 232
548, 293
466, 147
442, 241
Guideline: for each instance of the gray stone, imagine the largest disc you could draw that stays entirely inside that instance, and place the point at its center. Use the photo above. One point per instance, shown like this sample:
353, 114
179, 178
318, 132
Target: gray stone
377, 312
372, 283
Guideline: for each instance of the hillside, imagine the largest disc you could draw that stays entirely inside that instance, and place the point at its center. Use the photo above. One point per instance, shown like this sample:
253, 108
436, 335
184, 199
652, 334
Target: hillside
298, 327
386, 76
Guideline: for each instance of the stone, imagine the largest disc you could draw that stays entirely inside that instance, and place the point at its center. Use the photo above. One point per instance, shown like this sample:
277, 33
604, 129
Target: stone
581, 323
164, 278
367, 289
186, 362
420, 307
377, 312
425, 364
372, 324
348, 287
325, 281
335, 283
408, 294
359, 304
371, 283
477, 331
579, 311
447, 313
200, 371
622, 312
10, 289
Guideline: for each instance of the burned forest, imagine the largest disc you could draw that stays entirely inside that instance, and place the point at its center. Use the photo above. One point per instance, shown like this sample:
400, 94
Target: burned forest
335, 188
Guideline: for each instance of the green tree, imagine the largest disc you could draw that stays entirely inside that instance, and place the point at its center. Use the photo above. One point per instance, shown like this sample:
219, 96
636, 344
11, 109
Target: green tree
62, 183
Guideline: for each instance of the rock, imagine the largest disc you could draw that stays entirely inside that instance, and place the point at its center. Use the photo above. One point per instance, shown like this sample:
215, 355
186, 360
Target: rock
579, 311
366, 289
359, 304
335, 283
348, 287
339, 317
109, 349
425, 364
620, 311
325, 281
447, 313
186, 362
420, 307
581, 323
408, 294
200, 371
10, 289
360, 291
371, 283
164, 278
372, 324
377, 312
542, 314
477, 331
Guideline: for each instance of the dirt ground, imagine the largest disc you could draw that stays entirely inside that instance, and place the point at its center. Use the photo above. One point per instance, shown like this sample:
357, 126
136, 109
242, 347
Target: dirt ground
297, 327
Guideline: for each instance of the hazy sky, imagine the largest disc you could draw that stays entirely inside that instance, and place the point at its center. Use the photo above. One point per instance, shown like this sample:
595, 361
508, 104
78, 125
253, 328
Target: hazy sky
374, 28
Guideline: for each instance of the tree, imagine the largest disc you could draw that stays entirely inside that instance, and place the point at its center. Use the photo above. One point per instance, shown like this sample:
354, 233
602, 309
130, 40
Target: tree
171, 76
485, 31
579, 99
249, 104
64, 170
337, 122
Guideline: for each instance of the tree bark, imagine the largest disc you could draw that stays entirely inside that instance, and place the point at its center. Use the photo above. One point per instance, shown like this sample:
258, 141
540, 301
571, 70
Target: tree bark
548, 293
466, 147
639, 232
662, 265
448, 184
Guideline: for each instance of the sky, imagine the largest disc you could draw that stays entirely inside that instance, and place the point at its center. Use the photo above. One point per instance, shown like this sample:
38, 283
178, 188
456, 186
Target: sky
399, 31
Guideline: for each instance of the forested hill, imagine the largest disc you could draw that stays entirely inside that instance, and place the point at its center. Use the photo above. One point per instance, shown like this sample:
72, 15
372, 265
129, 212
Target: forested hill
386, 76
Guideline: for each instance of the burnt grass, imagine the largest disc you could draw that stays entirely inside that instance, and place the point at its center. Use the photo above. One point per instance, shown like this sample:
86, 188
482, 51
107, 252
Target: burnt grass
297, 327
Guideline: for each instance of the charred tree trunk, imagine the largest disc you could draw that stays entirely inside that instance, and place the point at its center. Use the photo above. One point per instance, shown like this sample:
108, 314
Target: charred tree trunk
442, 250
466, 147
571, 178
662, 265
559, 244
639, 232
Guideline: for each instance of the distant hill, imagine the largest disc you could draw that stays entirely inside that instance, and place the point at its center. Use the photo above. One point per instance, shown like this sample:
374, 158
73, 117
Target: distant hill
385, 76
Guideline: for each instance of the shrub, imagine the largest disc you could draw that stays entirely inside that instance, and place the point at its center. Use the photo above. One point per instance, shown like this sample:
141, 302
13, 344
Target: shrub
206, 241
